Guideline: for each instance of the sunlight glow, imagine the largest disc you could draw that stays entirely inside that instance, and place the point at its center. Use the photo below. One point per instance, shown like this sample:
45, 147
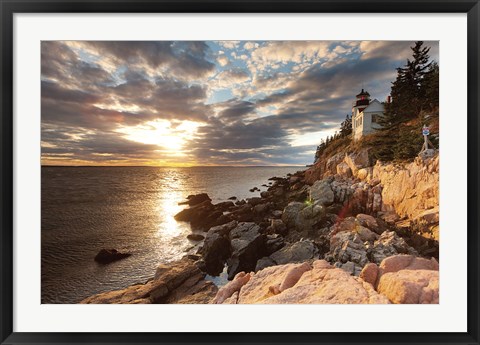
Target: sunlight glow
161, 133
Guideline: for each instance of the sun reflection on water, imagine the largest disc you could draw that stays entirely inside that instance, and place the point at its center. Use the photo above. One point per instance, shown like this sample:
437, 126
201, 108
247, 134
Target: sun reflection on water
170, 194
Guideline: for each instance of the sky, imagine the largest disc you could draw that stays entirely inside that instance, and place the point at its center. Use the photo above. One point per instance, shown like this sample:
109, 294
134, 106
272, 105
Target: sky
200, 103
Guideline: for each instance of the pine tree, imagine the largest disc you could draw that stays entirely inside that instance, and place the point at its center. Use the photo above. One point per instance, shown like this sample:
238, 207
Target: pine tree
431, 87
410, 90
346, 126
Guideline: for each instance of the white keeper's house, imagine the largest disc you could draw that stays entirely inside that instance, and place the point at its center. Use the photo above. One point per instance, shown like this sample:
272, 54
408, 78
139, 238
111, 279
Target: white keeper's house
365, 114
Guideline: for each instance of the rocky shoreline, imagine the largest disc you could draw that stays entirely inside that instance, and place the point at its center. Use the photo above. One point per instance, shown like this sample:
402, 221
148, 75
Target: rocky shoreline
342, 231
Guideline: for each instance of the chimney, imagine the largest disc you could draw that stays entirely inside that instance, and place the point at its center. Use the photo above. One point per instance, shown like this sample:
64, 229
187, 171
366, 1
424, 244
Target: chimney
389, 99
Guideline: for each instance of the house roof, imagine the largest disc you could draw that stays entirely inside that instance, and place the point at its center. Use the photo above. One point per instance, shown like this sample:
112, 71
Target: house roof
374, 106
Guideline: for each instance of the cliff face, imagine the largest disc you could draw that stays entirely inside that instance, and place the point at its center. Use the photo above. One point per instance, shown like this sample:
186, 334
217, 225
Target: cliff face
410, 190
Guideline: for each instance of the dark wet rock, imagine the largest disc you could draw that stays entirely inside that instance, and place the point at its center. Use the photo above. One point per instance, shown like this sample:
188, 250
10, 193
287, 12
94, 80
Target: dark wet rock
300, 194
277, 192
196, 212
215, 251
223, 230
294, 179
261, 209
194, 257
274, 243
202, 216
195, 237
277, 213
254, 201
105, 256
196, 199
265, 194
263, 263
232, 198
296, 252
254, 189
224, 206
291, 212
216, 248
278, 226
240, 202
248, 245
243, 213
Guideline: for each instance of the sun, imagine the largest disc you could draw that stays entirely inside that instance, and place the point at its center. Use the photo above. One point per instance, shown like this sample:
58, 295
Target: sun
163, 133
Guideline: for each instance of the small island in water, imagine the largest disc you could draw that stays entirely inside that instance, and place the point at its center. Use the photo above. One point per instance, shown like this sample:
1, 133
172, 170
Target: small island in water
358, 226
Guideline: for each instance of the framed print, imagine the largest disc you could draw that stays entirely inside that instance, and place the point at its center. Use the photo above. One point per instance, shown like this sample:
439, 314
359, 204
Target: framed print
239, 172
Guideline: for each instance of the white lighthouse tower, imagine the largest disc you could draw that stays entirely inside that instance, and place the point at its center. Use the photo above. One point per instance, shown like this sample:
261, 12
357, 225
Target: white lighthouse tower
365, 114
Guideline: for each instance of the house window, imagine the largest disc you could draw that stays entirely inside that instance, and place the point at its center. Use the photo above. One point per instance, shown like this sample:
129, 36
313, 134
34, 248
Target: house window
374, 118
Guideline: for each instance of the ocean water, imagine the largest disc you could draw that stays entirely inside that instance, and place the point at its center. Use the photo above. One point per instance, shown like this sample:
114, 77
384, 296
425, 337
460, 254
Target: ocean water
85, 209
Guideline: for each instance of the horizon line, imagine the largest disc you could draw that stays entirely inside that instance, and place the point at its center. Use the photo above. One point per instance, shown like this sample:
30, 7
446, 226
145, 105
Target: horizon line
171, 166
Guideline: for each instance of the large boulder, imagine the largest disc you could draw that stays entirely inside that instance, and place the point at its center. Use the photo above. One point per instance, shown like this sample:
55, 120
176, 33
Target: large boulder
216, 250
357, 161
303, 216
278, 226
332, 163
372, 273
348, 247
231, 288
263, 263
323, 284
106, 256
389, 244
322, 193
296, 252
177, 282
370, 222
193, 200
410, 286
344, 170
248, 245
291, 212
407, 262
201, 216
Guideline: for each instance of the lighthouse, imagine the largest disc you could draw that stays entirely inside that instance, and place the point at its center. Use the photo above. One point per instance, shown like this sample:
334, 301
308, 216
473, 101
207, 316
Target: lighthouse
365, 114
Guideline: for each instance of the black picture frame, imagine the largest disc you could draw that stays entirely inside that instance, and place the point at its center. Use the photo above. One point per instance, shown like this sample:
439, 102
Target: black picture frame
9, 8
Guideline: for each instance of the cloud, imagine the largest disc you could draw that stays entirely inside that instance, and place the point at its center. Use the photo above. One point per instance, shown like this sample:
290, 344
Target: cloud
250, 45
223, 60
235, 110
229, 44
229, 78
401, 49
183, 59
270, 103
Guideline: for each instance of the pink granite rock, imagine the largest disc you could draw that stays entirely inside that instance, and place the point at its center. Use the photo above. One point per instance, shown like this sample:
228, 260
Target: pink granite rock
410, 286
370, 273
235, 285
323, 284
